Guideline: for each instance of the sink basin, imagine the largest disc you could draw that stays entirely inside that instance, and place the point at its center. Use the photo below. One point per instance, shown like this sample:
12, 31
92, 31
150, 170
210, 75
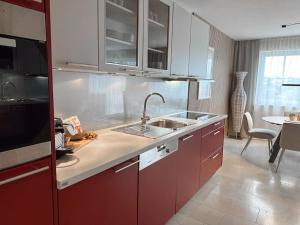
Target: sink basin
170, 124
145, 130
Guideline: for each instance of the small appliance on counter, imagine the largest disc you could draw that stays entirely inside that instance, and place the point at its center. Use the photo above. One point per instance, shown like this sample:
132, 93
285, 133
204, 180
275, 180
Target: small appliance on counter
60, 147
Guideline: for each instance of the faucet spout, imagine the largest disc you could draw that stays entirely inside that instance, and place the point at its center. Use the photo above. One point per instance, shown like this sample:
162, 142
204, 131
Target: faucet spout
145, 118
3, 85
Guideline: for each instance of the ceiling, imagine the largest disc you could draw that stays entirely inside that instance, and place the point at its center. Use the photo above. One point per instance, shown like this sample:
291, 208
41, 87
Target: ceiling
249, 19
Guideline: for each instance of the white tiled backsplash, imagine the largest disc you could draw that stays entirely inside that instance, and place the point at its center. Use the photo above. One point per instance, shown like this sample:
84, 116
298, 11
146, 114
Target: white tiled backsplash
102, 101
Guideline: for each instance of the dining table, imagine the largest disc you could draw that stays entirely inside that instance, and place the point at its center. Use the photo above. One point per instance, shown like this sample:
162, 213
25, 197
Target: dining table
279, 121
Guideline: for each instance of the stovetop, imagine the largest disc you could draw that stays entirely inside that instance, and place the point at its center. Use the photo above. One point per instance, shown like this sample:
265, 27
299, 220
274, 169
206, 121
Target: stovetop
194, 116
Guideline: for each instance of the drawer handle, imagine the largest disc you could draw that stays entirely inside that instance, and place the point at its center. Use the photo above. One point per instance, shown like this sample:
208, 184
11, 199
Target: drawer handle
187, 138
82, 65
132, 70
7, 42
216, 133
216, 156
24, 175
217, 124
161, 148
126, 167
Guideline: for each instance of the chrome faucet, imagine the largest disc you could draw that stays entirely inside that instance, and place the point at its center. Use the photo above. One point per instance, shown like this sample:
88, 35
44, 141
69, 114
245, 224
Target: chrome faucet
3, 85
146, 118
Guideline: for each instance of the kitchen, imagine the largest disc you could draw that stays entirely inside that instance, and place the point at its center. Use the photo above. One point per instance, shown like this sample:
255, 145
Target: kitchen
119, 112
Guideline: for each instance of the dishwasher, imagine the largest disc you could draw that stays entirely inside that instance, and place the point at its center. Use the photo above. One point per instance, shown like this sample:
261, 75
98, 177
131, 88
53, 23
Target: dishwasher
157, 184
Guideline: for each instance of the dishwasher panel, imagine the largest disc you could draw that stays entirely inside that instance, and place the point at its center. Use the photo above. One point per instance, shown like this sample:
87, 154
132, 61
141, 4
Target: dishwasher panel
153, 155
157, 185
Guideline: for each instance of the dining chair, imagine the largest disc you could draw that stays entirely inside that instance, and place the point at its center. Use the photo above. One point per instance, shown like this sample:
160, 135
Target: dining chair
260, 133
289, 139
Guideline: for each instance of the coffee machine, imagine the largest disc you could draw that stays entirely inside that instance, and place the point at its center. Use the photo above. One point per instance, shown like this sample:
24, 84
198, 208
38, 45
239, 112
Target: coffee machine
60, 147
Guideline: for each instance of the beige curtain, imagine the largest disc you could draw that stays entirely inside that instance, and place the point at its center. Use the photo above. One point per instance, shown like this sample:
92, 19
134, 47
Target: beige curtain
246, 56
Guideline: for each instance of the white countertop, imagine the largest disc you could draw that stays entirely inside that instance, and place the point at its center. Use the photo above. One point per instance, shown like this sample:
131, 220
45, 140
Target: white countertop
112, 148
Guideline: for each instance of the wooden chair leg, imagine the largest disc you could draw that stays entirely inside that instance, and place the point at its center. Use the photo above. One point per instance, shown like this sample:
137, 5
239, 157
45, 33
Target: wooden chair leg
248, 142
280, 158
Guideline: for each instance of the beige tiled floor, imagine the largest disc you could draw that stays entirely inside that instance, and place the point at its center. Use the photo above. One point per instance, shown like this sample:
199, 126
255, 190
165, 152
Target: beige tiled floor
247, 191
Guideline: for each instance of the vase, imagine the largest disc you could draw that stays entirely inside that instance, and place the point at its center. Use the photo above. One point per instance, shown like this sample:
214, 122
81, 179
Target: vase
238, 102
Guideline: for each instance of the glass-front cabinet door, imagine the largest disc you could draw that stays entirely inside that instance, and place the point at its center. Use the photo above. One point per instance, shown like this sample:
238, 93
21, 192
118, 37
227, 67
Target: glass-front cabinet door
157, 35
120, 33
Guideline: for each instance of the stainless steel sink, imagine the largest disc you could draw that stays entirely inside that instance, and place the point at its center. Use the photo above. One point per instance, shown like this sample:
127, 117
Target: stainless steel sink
170, 124
145, 130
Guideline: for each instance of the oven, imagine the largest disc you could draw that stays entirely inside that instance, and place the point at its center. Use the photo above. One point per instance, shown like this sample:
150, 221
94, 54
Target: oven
24, 99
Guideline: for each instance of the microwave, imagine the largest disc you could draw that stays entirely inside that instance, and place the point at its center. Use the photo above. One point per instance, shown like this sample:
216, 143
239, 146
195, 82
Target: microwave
24, 98
23, 56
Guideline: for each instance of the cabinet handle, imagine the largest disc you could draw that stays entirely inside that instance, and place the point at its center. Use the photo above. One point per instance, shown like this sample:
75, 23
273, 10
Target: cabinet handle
216, 156
217, 124
8, 42
132, 70
216, 133
82, 65
138, 71
161, 148
126, 167
24, 175
187, 138
150, 72
180, 75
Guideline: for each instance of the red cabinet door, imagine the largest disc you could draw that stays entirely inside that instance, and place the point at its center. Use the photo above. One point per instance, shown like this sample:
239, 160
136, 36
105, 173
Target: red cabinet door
123, 194
26, 194
188, 168
85, 202
109, 198
31, 4
157, 192
210, 166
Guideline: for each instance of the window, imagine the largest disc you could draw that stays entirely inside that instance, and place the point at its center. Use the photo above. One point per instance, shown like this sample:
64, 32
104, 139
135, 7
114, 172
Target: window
276, 68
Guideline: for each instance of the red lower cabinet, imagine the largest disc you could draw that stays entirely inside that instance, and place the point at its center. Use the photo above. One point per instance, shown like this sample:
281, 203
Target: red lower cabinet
108, 198
188, 168
210, 166
211, 142
212, 150
123, 194
26, 194
157, 192
84, 202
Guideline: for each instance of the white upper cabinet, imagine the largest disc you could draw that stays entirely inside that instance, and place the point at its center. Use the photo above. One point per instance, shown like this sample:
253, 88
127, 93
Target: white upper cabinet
120, 35
199, 48
151, 37
181, 38
157, 36
75, 33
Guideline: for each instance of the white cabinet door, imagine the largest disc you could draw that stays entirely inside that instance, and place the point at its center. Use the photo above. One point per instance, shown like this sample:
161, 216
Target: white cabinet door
121, 35
157, 36
199, 48
181, 38
75, 33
